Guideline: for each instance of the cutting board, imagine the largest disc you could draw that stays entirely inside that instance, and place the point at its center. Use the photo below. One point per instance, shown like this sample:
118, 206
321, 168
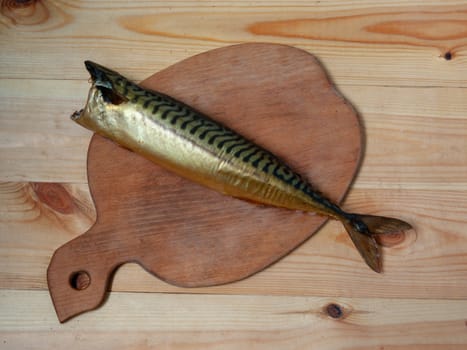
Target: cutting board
277, 96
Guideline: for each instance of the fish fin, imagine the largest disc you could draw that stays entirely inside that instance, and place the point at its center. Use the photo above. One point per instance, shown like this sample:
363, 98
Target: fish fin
380, 225
363, 230
366, 246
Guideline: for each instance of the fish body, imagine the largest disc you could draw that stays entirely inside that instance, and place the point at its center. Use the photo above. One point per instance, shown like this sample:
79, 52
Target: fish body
192, 145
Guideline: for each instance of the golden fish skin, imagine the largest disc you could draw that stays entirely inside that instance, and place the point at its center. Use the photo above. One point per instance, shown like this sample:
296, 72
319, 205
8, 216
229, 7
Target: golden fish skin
183, 140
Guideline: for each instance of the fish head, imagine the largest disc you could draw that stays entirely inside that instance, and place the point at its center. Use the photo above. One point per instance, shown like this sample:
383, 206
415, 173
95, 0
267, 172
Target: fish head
107, 96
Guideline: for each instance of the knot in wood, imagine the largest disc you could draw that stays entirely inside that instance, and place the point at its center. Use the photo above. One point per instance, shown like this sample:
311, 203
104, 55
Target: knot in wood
334, 310
391, 239
24, 12
55, 196
17, 3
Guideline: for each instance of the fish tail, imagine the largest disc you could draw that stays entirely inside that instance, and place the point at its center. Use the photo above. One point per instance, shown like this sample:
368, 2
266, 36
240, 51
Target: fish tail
363, 230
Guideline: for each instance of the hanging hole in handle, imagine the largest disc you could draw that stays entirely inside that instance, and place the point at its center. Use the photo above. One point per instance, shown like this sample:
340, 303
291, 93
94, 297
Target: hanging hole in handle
80, 280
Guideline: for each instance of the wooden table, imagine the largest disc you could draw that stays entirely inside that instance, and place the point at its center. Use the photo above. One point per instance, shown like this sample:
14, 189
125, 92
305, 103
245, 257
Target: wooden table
403, 65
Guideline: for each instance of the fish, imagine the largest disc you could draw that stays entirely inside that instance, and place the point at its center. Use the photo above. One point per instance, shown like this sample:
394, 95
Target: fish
183, 140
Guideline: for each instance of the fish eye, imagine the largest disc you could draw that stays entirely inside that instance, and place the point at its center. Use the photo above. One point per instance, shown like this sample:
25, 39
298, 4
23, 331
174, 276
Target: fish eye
110, 96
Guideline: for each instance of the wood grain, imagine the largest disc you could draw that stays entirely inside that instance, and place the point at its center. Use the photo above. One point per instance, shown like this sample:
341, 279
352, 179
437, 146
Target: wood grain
353, 41
387, 57
143, 321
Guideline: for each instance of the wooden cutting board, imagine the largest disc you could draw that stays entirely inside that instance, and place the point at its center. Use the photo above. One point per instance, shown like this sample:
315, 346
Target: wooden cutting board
279, 97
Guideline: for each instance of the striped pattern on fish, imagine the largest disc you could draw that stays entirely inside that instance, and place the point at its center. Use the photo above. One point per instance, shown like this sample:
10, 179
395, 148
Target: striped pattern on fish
181, 139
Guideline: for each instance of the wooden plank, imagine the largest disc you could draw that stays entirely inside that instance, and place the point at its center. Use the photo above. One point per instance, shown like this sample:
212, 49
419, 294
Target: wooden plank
408, 130
68, 95
387, 58
431, 266
142, 321
372, 43
38, 142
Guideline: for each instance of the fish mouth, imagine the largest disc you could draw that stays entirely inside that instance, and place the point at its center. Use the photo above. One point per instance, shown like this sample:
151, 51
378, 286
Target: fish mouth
105, 90
96, 71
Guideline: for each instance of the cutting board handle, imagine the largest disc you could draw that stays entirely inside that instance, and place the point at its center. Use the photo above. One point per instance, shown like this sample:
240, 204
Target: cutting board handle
77, 281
